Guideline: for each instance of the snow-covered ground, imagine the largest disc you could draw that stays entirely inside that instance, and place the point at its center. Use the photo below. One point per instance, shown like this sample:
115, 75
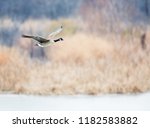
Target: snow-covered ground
79, 102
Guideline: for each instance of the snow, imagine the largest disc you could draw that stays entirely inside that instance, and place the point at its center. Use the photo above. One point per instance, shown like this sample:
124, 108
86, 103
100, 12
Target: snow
107, 102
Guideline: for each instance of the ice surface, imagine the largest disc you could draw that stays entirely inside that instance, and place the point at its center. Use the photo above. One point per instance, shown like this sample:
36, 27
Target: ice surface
111, 102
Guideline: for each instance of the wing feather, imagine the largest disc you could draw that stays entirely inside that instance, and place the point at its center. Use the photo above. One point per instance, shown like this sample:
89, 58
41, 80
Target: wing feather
37, 38
53, 34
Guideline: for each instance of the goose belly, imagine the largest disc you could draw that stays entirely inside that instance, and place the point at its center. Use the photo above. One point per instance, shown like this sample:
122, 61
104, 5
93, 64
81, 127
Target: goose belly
45, 44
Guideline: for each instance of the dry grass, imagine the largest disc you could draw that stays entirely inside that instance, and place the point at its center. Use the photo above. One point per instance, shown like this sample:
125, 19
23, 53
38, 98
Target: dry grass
79, 48
13, 69
83, 64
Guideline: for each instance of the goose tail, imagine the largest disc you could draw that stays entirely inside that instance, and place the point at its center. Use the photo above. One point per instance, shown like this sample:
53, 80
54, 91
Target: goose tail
26, 36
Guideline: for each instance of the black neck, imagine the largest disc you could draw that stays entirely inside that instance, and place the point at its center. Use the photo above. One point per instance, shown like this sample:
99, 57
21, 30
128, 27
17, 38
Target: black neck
60, 39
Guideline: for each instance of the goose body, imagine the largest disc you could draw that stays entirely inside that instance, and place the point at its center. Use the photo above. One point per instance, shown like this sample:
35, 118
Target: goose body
45, 42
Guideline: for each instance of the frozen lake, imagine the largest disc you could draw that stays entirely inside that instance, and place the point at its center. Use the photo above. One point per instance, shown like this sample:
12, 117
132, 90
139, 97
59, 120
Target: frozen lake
110, 102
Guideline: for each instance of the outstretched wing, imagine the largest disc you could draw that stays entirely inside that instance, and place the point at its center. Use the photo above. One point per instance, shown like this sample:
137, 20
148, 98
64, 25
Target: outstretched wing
53, 34
37, 38
41, 39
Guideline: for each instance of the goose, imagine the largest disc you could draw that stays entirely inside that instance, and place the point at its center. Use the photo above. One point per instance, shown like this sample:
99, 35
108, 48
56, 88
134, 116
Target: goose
44, 42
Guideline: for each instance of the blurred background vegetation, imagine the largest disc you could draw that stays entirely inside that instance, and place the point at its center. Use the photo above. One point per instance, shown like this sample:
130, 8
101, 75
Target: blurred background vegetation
99, 16
105, 49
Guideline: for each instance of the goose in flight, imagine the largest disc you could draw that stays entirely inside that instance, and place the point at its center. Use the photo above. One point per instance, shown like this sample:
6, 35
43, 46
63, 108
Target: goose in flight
44, 42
